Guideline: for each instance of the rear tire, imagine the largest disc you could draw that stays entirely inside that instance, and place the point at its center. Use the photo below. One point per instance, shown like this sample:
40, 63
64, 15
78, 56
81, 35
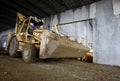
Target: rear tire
14, 44
29, 53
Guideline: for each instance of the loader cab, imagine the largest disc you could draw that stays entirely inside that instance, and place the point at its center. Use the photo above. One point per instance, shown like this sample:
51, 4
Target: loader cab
35, 24
25, 27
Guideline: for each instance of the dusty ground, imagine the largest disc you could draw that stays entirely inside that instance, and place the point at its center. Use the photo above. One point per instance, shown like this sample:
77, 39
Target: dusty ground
14, 69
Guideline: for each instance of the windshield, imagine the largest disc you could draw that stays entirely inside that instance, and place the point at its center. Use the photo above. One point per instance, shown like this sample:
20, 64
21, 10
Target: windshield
36, 23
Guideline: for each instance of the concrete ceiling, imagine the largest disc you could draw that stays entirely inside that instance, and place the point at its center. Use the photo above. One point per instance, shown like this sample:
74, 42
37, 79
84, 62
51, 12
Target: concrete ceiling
39, 8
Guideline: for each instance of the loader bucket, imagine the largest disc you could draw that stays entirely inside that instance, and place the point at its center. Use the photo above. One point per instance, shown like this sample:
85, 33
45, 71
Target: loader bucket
53, 46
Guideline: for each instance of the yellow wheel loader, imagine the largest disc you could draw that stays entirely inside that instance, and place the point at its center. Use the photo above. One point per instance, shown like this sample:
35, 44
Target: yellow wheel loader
31, 39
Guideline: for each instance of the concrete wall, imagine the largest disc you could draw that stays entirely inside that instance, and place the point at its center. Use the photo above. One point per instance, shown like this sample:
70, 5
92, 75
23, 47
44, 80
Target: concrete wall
103, 29
75, 23
3, 37
6, 32
107, 34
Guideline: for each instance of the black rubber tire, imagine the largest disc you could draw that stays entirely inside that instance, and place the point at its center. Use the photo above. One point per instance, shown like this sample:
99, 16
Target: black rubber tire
13, 48
29, 53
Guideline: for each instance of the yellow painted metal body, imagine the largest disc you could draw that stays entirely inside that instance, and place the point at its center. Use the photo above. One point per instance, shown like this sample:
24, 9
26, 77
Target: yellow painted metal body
88, 57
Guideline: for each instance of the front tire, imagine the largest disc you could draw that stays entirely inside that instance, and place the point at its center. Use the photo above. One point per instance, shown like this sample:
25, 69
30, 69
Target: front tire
14, 44
29, 53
